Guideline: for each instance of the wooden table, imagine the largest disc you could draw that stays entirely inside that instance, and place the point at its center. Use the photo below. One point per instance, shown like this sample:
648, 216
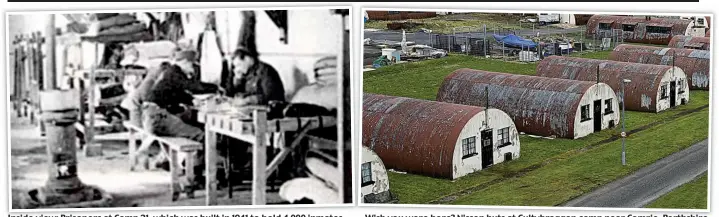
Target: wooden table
254, 131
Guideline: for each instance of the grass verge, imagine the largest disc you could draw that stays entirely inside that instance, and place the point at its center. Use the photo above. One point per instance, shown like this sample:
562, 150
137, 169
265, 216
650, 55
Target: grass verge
692, 195
563, 180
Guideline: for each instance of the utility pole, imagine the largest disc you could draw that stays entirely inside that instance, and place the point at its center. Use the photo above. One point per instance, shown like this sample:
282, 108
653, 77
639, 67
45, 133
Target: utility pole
624, 134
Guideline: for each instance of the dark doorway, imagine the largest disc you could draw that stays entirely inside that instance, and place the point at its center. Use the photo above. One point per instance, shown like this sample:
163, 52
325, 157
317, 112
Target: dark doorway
487, 152
597, 115
672, 94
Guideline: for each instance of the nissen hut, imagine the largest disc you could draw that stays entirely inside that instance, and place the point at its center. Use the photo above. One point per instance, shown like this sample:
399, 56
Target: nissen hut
695, 63
436, 139
649, 88
538, 105
373, 178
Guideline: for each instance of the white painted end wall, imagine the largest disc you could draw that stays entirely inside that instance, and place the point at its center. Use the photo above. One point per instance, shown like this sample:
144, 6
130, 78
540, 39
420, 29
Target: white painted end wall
596, 92
379, 173
497, 120
677, 74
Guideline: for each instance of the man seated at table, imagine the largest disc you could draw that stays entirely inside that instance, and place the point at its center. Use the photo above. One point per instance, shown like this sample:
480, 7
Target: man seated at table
166, 108
252, 82
139, 89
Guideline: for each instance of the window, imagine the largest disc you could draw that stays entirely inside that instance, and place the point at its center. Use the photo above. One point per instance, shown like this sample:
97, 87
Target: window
469, 147
680, 84
367, 174
585, 113
608, 108
507, 156
665, 93
659, 30
628, 27
700, 21
503, 137
393, 12
605, 26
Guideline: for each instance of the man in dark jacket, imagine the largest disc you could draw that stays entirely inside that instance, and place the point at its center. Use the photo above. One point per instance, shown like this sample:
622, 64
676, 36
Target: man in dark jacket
172, 94
165, 107
251, 82
254, 82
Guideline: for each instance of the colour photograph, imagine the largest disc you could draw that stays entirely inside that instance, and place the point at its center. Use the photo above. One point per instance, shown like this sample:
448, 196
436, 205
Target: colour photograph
537, 109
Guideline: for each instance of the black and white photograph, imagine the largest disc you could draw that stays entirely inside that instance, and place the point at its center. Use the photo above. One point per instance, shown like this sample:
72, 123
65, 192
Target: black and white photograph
183, 107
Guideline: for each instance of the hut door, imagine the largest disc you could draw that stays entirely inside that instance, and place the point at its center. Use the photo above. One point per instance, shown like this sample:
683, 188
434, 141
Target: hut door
672, 94
597, 115
487, 152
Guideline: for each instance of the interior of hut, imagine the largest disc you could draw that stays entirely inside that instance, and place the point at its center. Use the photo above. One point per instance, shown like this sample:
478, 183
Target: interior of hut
106, 56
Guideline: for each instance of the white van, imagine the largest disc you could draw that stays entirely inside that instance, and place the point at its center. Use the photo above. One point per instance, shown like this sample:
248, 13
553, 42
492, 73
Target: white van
545, 18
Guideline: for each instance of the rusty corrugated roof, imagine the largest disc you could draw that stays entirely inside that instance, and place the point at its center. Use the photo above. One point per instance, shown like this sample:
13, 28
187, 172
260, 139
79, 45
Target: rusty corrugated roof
690, 42
695, 63
678, 27
642, 92
538, 105
413, 135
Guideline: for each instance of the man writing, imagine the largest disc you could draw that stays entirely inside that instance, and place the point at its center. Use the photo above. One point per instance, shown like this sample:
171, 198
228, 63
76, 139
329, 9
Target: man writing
252, 82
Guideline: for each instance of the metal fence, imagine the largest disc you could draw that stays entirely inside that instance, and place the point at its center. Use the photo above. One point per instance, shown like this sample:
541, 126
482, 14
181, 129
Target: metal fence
479, 41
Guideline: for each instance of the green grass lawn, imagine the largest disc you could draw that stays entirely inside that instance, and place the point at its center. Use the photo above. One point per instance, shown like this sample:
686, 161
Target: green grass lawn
422, 80
565, 179
692, 195
601, 55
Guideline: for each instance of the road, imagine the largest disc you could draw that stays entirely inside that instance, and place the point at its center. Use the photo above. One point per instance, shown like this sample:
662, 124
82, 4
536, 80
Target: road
650, 182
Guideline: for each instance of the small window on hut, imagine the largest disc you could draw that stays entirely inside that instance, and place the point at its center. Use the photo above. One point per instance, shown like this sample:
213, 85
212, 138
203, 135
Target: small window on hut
503, 137
367, 174
628, 27
605, 26
393, 12
680, 84
700, 21
469, 147
608, 109
659, 30
585, 113
665, 93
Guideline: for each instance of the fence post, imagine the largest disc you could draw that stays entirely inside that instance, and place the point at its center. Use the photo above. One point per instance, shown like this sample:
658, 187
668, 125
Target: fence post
429, 37
454, 37
484, 40
503, 56
466, 45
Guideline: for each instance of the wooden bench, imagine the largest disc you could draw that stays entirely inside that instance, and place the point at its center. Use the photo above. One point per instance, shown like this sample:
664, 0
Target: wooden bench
172, 146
